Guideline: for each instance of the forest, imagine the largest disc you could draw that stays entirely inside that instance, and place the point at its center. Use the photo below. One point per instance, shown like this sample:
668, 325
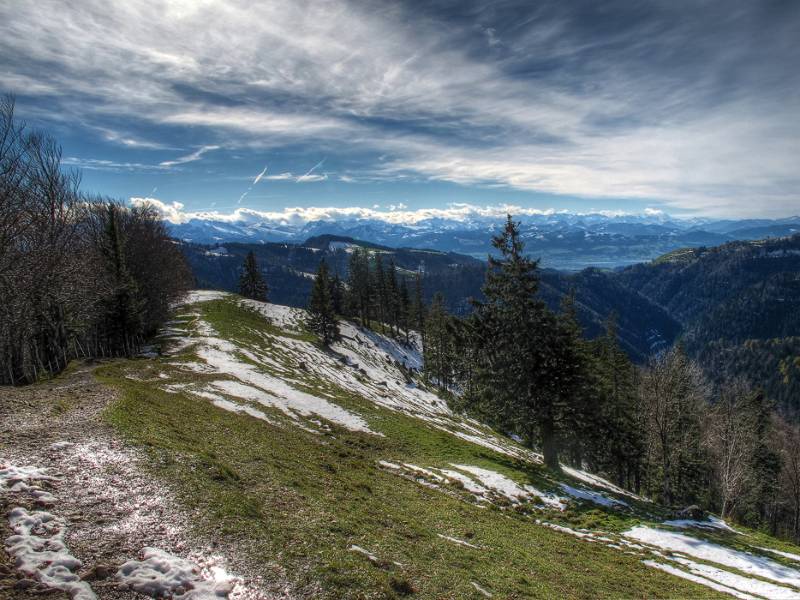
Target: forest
661, 428
80, 276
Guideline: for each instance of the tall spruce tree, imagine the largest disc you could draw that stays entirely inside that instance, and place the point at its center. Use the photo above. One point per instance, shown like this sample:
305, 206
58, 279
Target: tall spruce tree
438, 343
251, 282
514, 336
321, 313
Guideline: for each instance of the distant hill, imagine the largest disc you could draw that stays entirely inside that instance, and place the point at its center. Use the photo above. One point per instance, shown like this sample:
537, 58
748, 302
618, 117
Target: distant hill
563, 241
289, 270
736, 307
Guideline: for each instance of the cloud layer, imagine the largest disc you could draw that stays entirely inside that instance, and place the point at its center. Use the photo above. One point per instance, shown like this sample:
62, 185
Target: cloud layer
695, 105
175, 212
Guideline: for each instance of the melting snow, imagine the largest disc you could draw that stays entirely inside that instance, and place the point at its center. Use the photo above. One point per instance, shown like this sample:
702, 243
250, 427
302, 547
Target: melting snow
595, 497
37, 543
481, 590
737, 582
39, 551
788, 555
697, 579
743, 561
161, 574
457, 541
497, 482
711, 523
203, 296
600, 482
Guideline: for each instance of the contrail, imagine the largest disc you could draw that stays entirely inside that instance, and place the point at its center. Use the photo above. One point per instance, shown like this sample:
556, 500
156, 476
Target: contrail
255, 181
260, 175
311, 170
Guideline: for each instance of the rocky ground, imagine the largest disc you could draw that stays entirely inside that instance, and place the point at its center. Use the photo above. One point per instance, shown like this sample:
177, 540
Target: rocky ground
112, 507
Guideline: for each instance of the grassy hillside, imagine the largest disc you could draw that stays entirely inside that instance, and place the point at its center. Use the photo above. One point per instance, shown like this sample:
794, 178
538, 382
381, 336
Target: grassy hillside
338, 470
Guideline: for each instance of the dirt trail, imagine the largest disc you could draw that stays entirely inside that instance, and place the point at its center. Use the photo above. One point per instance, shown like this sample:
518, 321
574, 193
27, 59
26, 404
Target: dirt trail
113, 508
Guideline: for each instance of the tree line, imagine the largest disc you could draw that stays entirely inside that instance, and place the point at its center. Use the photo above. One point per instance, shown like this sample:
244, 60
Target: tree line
80, 276
660, 429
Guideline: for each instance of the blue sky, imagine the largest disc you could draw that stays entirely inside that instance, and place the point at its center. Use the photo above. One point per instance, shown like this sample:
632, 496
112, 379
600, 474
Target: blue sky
692, 107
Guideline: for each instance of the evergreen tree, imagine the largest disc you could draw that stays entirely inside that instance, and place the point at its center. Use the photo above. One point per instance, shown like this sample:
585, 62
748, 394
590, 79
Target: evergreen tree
418, 308
322, 316
393, 298
123, 314
616, 419
404, 308
514, 340
337, 294
359, 293
437, 348
251, 282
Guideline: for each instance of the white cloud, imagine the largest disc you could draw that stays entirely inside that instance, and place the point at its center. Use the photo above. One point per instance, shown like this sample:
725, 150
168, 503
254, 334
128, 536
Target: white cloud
196, 155
342, 71
280, 177
298, 216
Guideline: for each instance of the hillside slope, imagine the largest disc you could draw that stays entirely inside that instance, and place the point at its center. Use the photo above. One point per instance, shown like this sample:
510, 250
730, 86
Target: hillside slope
738, 306
337, 473
289, 268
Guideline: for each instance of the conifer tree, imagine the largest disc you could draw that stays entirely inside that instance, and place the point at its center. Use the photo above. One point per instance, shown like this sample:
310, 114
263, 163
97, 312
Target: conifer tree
514, 338
321, 313
123, 312
393, 298
251, 282
439, 360
359, 293
337, 294
418, 308
404, 308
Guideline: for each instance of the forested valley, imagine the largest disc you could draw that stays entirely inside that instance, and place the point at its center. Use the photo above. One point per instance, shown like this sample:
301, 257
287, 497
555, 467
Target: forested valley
662, 428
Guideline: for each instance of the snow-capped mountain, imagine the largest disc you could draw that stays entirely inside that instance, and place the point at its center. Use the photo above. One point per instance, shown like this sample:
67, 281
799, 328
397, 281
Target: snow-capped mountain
565, 241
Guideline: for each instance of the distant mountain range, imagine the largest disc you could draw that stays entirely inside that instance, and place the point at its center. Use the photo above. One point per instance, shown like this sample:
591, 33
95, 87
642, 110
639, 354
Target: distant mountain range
563, 241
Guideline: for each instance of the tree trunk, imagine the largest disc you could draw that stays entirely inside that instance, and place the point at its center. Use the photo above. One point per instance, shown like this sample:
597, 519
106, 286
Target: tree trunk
550, 445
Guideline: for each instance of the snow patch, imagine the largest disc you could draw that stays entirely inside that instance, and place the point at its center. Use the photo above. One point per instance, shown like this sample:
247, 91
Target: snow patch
497, 482
595, 497
789, 555
39, 552
697, 579
161, 574
457, 541
745, 562
711, 523
203, 296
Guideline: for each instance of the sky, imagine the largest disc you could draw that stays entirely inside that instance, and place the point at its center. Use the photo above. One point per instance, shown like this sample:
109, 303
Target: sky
690, 107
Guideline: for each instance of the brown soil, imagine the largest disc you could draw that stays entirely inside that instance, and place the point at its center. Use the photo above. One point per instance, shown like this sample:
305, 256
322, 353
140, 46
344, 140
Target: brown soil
113, 507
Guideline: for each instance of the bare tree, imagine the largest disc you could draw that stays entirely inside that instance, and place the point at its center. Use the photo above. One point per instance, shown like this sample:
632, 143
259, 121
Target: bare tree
731, 437
672, 391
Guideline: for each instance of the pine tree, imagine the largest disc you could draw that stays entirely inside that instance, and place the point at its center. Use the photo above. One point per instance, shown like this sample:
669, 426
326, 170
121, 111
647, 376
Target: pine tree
251, 282
124, 318
404, 308
418, 308
437, 349
514, 340
337, 294
321, 312
393, 298
359, 293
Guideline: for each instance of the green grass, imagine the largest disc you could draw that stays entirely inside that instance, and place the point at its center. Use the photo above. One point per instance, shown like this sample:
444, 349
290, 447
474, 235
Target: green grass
299, 500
